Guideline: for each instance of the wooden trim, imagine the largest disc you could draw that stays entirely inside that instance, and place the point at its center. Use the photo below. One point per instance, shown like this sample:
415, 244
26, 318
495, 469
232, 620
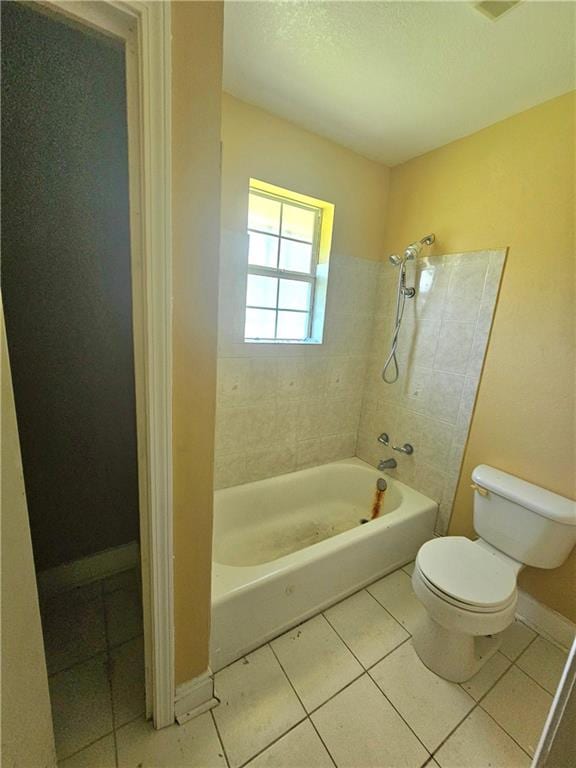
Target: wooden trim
544, 620
195, 697
87, 569
144, 26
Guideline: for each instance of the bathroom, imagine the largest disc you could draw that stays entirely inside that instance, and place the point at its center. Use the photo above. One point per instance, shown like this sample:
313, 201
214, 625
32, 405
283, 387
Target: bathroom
295, 646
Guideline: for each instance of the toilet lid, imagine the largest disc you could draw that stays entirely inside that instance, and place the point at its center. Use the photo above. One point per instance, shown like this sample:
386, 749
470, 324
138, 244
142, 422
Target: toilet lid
466, 572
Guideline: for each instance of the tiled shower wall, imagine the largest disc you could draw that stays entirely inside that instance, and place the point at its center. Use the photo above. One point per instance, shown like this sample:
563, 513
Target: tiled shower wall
441, 351
283, 407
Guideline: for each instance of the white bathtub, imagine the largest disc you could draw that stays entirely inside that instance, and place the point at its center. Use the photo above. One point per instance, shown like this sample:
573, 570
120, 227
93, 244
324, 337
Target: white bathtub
287, 547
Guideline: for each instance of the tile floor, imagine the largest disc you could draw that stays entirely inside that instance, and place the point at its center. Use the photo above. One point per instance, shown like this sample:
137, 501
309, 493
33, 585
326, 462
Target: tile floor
343, 689
95, 658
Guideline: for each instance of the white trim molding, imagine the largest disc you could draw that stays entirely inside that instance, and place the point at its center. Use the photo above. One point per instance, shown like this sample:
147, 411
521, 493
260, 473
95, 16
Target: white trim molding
154, 59
144, 26
88, 569
545, 621
195, 697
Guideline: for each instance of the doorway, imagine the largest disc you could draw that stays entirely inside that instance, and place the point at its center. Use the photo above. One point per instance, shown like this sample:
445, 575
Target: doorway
67, 291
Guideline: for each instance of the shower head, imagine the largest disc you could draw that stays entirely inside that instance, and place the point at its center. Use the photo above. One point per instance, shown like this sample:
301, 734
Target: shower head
412, 251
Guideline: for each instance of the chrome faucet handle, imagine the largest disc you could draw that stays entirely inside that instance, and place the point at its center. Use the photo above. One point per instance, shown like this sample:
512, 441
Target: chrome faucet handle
406, 448
384, 439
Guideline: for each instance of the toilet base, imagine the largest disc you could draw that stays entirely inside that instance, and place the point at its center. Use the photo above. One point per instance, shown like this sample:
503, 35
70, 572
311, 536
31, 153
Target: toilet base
453, 655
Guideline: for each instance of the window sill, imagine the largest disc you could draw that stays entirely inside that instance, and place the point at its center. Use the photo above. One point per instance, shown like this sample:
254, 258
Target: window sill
276, 342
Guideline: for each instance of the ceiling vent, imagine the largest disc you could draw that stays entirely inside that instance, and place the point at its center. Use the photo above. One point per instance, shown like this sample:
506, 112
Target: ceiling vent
495, 9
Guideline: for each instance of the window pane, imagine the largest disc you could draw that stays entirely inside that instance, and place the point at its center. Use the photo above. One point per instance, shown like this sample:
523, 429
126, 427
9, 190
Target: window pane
294, 294
259, 324
263, 214
262, 291
296, 257
298, 223
263, 250
292, 325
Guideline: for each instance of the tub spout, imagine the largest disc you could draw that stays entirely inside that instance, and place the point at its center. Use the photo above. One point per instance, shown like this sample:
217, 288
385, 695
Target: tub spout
387, 464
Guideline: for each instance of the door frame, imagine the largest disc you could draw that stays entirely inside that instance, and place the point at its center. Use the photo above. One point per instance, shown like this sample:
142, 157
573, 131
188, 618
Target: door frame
144, 27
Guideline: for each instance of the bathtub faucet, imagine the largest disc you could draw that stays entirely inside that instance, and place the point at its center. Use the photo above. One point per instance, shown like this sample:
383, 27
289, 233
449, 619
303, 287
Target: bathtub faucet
387, 464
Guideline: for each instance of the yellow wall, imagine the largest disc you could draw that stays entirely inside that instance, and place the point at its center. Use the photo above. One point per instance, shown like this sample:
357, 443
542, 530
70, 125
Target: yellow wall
196, 90
512, 184
259, 145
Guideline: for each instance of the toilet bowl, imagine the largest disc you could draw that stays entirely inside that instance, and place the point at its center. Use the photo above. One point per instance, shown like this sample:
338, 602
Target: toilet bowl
469, 593
468, 588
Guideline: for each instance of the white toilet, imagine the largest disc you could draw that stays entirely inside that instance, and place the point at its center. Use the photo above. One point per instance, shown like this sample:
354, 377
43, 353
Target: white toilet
468, 588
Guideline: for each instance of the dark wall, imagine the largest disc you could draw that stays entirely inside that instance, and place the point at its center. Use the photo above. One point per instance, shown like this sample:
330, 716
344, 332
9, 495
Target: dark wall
66, 283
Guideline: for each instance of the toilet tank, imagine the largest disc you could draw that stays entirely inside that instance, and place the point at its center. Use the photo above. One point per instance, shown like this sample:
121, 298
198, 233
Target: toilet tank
528, 523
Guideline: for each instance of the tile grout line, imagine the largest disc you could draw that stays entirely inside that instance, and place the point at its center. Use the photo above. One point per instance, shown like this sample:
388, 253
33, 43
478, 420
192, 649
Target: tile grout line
86, 746
272, 743
349, 648
515, 664
109, 672
477, 705
220, 740
96, 655
351, 682
308, 714
506, 732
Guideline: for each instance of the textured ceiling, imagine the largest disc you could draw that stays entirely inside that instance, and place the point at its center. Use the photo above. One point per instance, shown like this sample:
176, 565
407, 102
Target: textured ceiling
392, 80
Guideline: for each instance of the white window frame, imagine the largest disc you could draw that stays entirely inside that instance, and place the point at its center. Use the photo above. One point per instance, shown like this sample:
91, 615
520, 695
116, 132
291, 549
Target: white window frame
278, 273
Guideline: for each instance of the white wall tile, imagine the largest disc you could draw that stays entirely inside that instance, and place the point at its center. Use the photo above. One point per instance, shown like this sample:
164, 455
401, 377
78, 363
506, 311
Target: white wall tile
282, 407
290, 405
441, 351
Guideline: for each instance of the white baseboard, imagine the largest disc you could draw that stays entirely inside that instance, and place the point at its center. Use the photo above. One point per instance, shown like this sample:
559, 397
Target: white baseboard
87, 569
194, 697
545, 621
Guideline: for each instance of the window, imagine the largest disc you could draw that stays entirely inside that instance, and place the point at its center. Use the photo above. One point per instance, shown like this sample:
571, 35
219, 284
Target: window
285, 237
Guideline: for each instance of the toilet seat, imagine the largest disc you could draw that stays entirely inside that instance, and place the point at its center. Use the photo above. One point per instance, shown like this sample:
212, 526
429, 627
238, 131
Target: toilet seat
466, 575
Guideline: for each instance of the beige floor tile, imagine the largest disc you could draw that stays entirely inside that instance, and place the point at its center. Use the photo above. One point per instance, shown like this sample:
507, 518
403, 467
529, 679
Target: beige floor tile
192, 745
123, 615
316, 660
102, 754
73, 627
480, 743
301, 747
520, 706
482, 681
360, 728
544, 662
257, 705
81, 706
515, 639
127, 677
431, 706
395, 593
409, 568
366, 627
